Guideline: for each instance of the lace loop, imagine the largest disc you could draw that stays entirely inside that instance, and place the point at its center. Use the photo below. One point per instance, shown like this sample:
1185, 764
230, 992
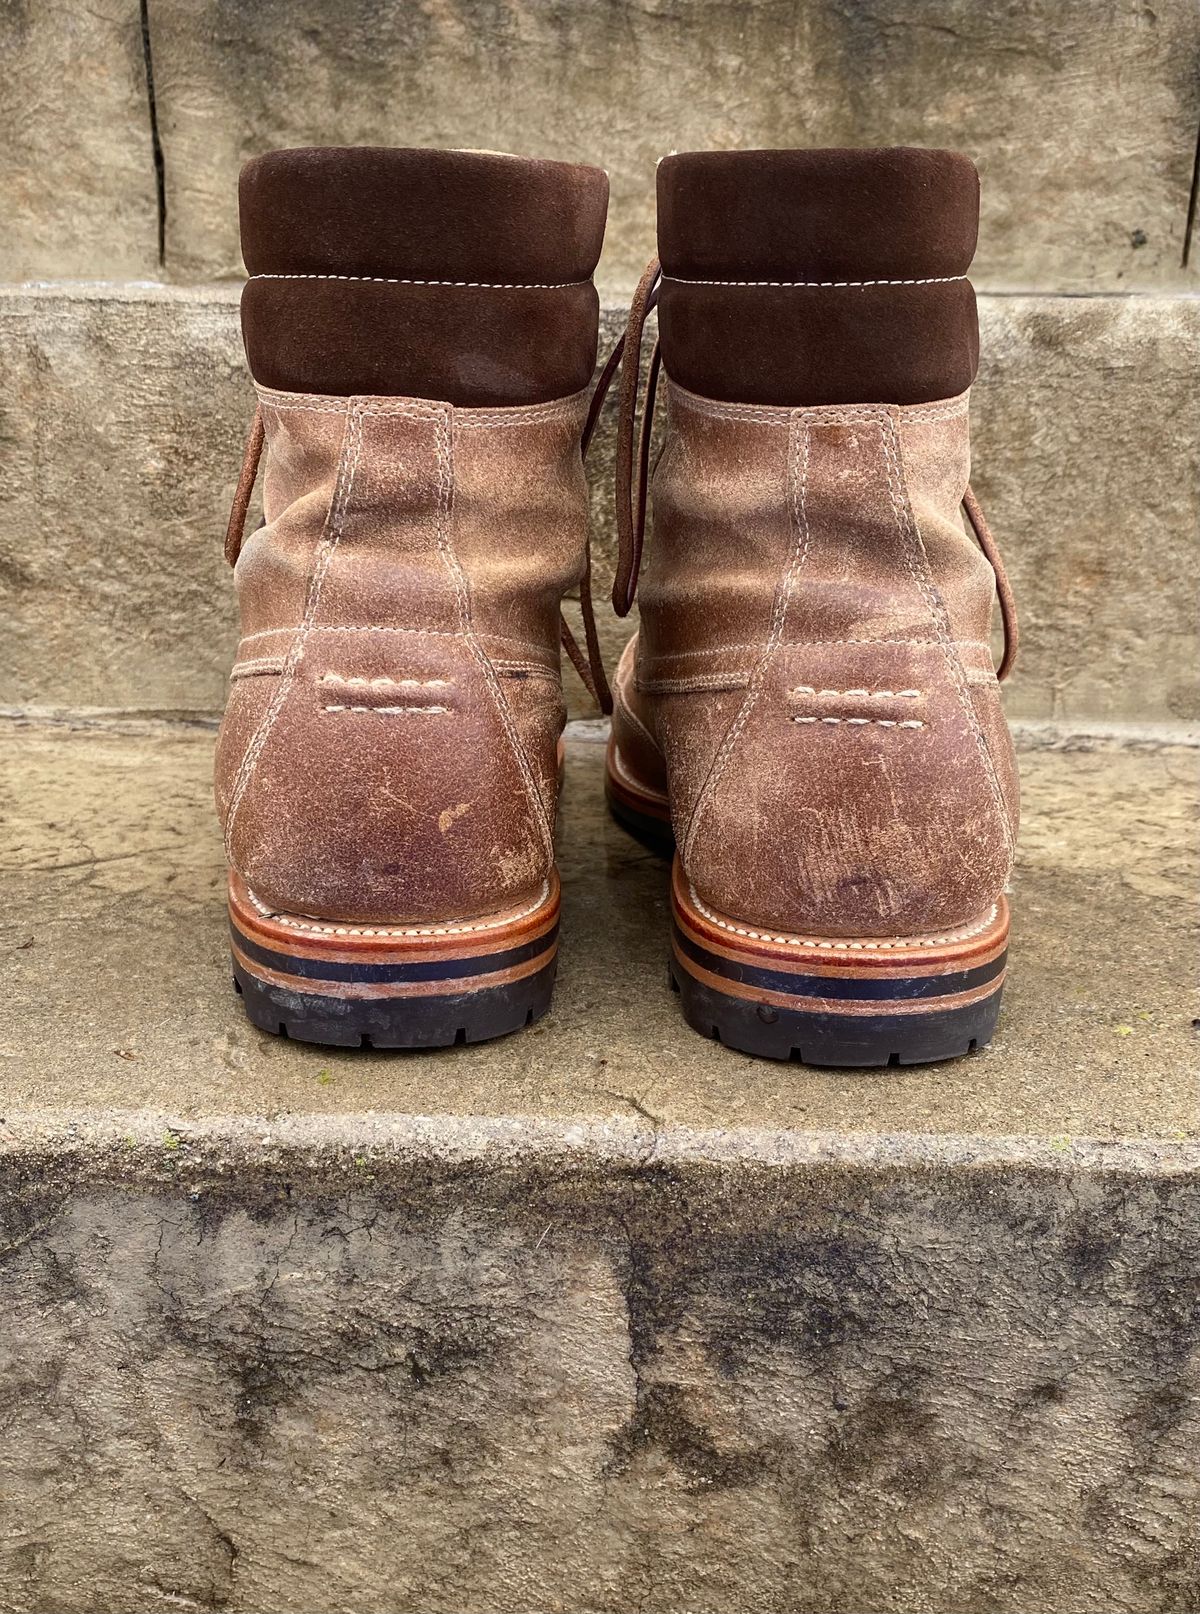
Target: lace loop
631, 485
235, 531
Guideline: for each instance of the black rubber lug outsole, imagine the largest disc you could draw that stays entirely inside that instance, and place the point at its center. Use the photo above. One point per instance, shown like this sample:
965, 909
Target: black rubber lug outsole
771, 1032
415, 1022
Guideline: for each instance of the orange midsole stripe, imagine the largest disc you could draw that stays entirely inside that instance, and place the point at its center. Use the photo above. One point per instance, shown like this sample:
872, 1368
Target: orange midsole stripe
393, 951
899, 959
798, 961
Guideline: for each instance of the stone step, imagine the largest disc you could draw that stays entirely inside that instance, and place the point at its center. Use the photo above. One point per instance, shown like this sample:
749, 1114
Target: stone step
127, 409
602, 1316
1082, 119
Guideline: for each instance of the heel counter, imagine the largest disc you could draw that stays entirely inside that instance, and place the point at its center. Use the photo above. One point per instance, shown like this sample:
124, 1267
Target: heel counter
859, 798
363, 795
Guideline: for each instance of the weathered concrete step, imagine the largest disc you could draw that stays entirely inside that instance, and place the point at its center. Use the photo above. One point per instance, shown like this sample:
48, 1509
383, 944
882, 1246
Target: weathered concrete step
1083, 121
116, 923
125, 411
603, 1316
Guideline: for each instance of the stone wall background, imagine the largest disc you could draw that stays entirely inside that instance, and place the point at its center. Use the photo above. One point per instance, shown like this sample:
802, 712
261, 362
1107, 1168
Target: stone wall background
606, 1321
1081, 114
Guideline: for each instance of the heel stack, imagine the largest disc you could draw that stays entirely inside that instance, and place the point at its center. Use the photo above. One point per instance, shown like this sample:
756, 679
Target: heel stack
644, 812
381, 986
837, 1001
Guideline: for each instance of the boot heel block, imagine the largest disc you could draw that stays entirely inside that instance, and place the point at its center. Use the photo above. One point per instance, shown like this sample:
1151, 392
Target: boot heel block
381, 986
645, 813
895, 1001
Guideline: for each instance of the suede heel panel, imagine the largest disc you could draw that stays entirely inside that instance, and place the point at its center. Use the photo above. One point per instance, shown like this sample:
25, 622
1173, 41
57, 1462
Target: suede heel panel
804, 347
468, 346
429, 215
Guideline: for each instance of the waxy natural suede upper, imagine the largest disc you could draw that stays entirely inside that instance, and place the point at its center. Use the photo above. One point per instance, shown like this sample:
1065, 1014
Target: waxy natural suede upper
813, 667
812, 684
389, 748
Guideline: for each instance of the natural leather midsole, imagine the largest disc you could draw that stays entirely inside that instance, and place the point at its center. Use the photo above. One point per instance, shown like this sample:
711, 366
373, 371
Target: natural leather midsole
360, 962
622, 784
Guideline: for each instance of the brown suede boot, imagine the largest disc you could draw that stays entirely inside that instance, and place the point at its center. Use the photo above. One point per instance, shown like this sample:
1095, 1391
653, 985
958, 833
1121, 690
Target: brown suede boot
811, 703
421, 327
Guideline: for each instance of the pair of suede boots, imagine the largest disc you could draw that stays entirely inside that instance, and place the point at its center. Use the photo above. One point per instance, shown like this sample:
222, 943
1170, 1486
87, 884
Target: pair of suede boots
809, 714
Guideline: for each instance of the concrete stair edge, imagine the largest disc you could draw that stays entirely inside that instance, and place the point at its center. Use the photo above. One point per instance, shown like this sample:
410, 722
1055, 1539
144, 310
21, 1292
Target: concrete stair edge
149, 1148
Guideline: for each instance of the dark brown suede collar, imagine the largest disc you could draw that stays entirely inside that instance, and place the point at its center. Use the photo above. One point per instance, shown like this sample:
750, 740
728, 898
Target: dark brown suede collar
433, 215
818, 277
462, 276
896, 212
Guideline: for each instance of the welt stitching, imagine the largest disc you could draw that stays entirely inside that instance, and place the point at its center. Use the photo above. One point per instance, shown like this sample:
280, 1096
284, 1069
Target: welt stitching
295, 923
901, 945
491, 680
917, 562
347, 467
477, 285
930, 280
797, 481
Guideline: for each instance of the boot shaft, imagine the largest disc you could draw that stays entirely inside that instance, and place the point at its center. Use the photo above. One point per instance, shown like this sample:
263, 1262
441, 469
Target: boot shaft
389, 748
813, 660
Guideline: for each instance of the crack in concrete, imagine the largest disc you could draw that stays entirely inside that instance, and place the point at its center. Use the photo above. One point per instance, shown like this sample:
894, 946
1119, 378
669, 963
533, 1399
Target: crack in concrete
156, 146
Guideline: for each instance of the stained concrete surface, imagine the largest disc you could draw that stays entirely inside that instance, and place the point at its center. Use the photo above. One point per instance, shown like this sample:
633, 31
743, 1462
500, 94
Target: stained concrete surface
124, 412
255, 1378
118, 990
